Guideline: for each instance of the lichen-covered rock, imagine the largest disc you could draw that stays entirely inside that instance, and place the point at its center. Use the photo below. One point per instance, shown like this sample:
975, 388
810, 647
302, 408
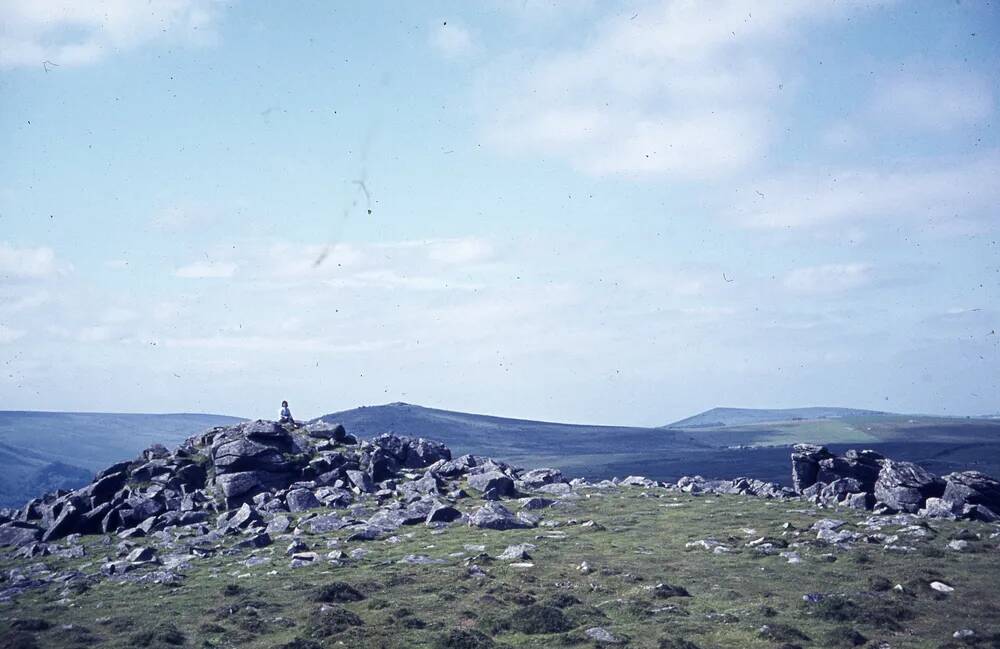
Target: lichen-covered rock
495, 516
905, 486
805, 464
494, 481
972, 488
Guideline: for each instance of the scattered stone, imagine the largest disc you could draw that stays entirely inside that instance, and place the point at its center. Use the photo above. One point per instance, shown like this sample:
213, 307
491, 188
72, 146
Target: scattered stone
517, 552
600, 634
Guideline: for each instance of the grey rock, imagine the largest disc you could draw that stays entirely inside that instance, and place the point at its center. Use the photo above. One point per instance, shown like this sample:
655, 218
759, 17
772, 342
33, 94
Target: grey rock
261, 540
539, 477
64, 524
301, 499
555, 489
972, 488
141, 555
494, 481
361, 481
536, 503
424, 452
325, 430
17, 534
905, 486
243, 518
327, 523
279, 525
517, 552
805, 465
495, 516
601, 635
443, 514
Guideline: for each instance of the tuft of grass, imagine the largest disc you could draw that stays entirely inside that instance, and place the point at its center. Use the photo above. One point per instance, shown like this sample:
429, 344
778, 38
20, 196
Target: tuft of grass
164, 634
464, 639
337, 591
536, 619
331, 620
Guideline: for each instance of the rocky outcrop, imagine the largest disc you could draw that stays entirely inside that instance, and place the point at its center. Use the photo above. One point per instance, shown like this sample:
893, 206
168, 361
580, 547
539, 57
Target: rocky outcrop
868, 480
905, 486
805, 465
246, 477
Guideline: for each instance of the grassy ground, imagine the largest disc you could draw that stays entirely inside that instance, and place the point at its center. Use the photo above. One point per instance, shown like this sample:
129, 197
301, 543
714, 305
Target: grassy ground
639, 542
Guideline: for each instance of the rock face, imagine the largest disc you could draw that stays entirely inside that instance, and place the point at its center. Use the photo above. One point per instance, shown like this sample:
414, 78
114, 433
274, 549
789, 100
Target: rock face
905, 486
972, 488
867, 480
805, 465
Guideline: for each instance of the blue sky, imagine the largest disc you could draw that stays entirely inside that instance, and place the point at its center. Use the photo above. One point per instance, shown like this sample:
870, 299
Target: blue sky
580, 211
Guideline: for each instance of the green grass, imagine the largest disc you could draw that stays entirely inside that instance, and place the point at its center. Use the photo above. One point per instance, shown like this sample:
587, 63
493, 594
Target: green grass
639, 543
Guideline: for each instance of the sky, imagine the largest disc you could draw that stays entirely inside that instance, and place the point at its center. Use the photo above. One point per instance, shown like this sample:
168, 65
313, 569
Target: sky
619, 213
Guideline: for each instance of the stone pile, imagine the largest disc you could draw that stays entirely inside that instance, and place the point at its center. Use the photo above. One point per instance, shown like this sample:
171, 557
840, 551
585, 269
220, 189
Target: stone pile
868, 480
241, 479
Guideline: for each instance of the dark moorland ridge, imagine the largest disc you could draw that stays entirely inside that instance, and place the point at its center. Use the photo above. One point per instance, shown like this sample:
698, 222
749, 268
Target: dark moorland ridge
940, 444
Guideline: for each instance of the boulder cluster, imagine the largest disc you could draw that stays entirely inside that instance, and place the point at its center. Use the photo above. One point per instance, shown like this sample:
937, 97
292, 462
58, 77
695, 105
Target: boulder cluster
242, 478
868, 480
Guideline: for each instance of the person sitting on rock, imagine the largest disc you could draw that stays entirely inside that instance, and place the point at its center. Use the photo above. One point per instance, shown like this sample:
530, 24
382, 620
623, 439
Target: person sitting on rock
286, 414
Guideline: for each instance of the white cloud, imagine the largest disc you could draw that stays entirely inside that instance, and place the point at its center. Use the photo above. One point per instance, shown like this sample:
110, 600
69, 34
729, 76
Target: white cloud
71, 32
932, 102
207, 270
28, 263
686, 91
462, 251
9, 335
935, 194
828, 278
451, 39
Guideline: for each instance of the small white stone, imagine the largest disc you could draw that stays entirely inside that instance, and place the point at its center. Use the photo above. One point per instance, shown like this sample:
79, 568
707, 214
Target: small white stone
941, 587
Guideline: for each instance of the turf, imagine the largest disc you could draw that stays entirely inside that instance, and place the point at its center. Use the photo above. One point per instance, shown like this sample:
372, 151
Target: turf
643, 586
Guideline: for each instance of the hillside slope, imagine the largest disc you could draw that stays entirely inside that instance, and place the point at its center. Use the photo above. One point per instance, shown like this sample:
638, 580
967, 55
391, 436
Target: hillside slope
744, 416
586, 450
941, 444
41, 451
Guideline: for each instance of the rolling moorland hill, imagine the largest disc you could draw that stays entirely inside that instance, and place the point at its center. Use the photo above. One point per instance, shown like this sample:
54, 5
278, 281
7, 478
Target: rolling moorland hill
741, 416
584, 450
759, 450
42, 451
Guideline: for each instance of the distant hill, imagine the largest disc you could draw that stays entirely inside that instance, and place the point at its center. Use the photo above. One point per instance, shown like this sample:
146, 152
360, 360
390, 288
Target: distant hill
42, 451
743, 416
579, 449
721, 449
